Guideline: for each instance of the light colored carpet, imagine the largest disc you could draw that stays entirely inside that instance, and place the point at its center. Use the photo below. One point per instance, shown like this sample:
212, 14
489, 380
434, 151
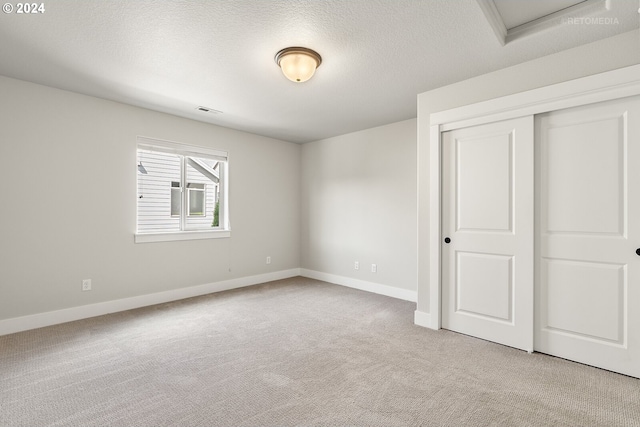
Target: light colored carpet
292, 352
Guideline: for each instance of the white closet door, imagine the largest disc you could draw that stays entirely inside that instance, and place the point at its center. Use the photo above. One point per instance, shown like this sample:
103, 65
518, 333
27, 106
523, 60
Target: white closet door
588, 284
487, 267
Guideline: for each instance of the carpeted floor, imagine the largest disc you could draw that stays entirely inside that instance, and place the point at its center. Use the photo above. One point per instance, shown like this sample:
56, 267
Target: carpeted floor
292, 352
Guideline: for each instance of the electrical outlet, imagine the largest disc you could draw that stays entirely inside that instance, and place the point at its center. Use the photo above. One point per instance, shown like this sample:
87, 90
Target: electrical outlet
268, 260
356, 265
86, 284
374, 268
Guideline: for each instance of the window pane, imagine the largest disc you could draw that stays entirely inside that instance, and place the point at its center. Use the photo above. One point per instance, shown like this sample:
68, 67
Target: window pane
155, 191
176, 200
203, 181
196, 202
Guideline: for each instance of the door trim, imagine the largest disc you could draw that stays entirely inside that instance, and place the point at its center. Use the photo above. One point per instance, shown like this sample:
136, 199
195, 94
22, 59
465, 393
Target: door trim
620, 83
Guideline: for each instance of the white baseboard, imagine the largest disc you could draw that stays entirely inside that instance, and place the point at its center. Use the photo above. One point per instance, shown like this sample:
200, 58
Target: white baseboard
421, 318
376, 288
18, 324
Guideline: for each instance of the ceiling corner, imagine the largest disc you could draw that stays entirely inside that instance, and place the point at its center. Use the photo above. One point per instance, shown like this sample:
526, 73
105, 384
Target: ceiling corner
494, 19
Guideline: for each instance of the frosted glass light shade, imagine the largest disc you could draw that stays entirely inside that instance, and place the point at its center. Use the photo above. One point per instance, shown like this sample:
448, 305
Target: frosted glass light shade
298, 64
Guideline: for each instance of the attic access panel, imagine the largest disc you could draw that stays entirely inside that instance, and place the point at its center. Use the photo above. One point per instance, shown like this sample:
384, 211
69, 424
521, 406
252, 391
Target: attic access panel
516, 13
513, 19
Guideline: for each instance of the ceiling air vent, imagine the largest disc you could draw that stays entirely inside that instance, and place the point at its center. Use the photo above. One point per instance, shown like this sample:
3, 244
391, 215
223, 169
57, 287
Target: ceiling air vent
208, 110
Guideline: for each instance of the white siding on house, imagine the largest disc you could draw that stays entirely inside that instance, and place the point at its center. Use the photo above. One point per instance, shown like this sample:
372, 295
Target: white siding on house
154, 192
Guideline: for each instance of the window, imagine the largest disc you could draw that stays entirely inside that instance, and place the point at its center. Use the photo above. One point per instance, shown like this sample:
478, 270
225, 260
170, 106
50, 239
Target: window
182, 192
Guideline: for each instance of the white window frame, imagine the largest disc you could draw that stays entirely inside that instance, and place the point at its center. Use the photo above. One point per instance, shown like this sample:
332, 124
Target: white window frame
184, 150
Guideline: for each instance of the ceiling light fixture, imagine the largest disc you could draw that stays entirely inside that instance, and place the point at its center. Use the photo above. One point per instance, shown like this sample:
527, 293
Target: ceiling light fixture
298, 64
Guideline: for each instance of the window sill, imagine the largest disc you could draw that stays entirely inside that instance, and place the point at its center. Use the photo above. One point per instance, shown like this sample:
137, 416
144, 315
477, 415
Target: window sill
181, 235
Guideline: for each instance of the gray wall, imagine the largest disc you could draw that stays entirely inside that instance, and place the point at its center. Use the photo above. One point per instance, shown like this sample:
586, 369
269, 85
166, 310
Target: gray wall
359, 204
604, 55
68, 174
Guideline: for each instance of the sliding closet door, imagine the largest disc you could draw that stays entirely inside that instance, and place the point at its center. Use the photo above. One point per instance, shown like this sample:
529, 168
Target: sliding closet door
588, 284
487, 218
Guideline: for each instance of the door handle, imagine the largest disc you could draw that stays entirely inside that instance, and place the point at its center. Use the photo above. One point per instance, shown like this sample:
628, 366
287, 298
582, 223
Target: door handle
638, 251
448, 240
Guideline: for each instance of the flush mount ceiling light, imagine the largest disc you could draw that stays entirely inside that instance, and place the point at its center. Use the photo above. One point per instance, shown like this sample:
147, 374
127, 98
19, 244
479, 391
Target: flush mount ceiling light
298, 63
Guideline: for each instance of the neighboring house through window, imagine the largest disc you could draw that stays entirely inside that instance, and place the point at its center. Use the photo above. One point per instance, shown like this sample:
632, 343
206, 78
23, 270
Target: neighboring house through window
182, 192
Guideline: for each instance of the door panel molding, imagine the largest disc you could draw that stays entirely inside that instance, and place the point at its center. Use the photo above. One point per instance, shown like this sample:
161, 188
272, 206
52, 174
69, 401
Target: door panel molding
466, 298
472, 212
607, 313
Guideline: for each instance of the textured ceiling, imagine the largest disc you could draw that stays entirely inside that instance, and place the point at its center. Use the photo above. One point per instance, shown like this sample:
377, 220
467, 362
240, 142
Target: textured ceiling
173, 56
